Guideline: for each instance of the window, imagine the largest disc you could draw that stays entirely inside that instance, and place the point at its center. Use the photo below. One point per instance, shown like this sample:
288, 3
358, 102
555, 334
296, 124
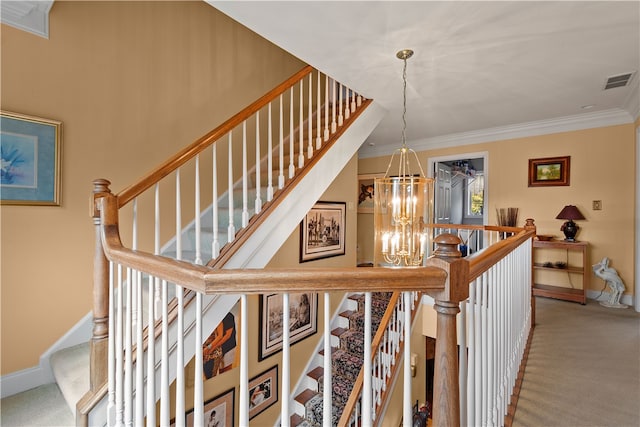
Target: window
475, 195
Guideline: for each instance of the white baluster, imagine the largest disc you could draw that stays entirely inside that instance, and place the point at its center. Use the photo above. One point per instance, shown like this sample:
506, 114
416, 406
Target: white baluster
151, 355
198, 394
231, 230
281, 148
215, 245
319, 115
119, 352
353, 101
269, 156
407, 408
286, 361
128, 363
334, 125
258, 204
366, 367
292, 168
198, 225
347, 106
111, 351
180, 406
245, 191
326, 363
340, 116
326, 108
244, 362
164, 361
301, 126
310, 118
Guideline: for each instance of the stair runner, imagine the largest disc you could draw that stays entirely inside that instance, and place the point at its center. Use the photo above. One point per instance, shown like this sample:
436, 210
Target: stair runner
346, 362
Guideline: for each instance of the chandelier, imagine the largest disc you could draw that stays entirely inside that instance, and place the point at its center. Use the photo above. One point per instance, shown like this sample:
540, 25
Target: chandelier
403, 203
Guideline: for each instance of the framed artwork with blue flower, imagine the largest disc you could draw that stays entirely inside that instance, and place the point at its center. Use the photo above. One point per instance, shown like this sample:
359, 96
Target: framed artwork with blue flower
30, 160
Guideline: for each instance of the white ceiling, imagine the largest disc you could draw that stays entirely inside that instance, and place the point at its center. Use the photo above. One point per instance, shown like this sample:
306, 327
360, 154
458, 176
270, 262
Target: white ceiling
481, 70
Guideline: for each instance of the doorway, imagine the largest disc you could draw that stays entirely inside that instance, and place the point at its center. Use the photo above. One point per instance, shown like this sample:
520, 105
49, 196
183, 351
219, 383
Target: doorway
461, 188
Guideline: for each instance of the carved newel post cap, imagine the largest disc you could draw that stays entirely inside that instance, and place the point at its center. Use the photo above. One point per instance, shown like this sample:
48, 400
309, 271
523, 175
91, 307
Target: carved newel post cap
447, 246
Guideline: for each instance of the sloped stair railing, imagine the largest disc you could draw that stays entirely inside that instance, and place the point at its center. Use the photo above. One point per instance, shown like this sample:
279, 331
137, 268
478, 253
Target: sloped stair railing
495, 327
267, 149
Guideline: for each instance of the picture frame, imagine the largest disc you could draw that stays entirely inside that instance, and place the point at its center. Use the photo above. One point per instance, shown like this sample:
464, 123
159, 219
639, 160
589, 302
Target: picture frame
222, 404
549, 171
303, 309
322, 231
221, 346
31, 157
365, 192
263, 391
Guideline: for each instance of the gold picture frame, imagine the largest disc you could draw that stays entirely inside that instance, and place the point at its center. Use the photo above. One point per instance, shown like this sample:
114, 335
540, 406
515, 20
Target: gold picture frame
549, 171
365, 191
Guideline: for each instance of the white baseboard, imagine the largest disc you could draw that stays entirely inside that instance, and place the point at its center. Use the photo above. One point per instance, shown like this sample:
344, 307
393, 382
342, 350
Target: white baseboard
26, 379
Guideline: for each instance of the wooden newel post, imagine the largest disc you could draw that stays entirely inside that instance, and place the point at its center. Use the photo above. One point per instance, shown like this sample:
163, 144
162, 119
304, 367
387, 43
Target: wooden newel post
446, 398
100, 336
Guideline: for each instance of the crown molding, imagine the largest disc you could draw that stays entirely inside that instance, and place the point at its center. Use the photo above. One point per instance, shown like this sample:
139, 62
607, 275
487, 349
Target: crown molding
30, 16
604, 118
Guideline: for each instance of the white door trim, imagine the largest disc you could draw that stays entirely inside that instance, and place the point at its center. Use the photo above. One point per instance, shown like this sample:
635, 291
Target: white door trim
431, 161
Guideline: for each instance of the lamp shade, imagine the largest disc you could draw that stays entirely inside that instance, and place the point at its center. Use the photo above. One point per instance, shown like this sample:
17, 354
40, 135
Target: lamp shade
570, 212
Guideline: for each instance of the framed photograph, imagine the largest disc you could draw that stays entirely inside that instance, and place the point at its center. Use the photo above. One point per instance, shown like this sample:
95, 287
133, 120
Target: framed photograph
30, 158
218, 412
365, 192
322, 231
303, 320
220, 348
549, 171
263, 391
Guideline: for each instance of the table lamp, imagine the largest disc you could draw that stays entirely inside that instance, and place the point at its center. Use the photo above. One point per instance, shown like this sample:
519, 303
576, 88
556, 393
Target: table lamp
570, 228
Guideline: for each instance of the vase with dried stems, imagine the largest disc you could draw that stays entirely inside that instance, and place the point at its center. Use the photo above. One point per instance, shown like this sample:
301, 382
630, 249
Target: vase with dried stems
507, 217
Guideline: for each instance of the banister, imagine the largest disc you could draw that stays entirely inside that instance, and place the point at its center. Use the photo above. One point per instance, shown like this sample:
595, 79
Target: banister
179, 159
491, 255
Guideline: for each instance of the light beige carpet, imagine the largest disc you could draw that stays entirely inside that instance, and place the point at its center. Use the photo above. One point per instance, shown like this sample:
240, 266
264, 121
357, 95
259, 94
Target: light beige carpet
583, 368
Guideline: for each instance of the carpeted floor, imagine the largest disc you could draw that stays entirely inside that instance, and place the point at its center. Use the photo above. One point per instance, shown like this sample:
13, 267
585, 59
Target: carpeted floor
42, 406
583, 368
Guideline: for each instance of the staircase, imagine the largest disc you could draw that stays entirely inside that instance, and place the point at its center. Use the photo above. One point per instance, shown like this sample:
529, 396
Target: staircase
238, 239
346, 361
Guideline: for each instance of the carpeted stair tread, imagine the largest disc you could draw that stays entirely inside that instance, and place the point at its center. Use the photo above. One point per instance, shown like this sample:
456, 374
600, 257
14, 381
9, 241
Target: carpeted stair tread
316, 373
70, 368
346, 364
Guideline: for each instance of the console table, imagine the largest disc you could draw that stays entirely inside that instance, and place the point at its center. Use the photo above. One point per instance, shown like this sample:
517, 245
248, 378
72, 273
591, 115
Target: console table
558, 268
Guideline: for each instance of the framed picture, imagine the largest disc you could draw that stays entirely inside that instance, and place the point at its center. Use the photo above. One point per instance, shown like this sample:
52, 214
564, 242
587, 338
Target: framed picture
218, 411
30, 151
365, 192
220, 348
263, 391
303, 320
322, 231
550, 171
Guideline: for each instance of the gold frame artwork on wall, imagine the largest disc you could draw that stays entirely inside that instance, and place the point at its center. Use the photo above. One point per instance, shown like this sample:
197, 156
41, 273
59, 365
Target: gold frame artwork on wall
365, 192
549, 171
30, 151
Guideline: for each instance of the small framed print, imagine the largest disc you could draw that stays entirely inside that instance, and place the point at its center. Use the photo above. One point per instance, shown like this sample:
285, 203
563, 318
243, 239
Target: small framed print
218, 411
263, 391
549, 171
365, 192
322, 231
303, 320
30, 158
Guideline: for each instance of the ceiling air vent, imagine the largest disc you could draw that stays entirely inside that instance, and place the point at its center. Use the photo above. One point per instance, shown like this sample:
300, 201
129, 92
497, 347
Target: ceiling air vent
618, 81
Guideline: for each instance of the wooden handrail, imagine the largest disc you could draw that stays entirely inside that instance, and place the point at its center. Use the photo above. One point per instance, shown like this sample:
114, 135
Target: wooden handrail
482, 261
183, 156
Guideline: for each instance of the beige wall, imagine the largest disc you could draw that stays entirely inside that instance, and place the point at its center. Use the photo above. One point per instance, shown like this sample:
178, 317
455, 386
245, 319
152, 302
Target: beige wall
132, 82
602, 168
